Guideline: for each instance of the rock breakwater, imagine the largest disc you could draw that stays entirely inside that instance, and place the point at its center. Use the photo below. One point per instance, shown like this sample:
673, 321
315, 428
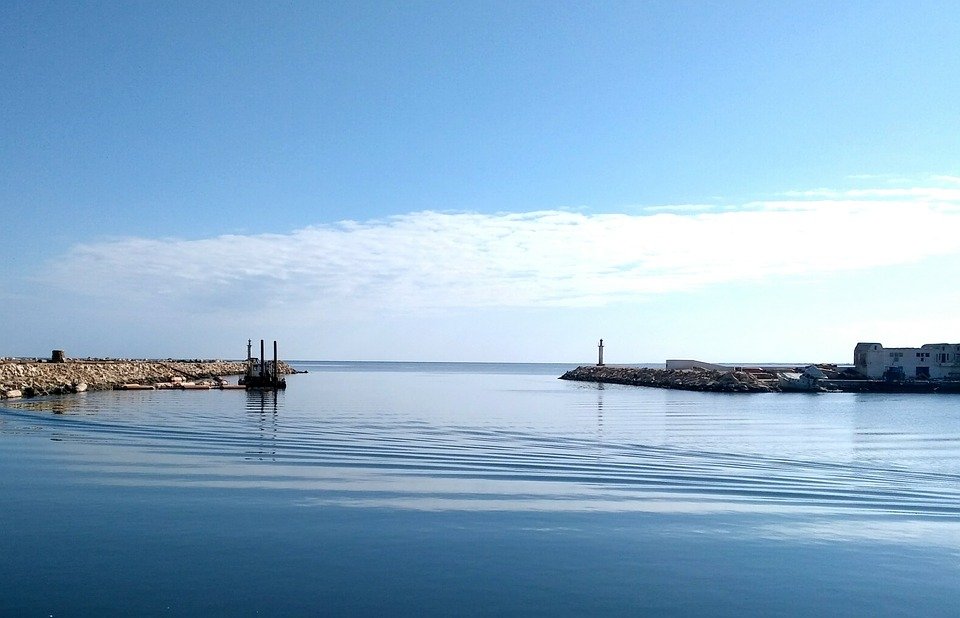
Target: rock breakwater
681, 379
33, 378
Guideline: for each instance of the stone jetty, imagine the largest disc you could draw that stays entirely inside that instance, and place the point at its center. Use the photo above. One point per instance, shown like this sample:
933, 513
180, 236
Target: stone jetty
682, 379
32, 378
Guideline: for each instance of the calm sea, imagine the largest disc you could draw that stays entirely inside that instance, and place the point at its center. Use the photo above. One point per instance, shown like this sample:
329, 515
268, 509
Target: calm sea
478, 489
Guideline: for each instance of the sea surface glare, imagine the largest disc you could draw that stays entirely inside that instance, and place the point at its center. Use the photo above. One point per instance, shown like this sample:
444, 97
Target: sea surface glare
478, 489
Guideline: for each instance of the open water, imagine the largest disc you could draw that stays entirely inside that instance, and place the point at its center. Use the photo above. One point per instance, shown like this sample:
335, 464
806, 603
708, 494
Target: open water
474, 489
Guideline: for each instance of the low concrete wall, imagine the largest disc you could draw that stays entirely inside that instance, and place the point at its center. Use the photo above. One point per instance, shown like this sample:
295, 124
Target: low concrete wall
695, 364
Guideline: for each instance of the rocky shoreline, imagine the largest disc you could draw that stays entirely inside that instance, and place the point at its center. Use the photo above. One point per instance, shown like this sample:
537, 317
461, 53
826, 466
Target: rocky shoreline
681, 379
756, 380
20, 378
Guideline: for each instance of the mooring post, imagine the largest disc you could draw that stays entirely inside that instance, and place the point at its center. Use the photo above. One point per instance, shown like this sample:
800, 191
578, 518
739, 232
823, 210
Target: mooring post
263, 363
600, 360
276, 372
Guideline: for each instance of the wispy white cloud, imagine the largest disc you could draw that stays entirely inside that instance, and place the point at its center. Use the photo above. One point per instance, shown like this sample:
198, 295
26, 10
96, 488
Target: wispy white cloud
911, 195
424, 260
955, 180
681, 208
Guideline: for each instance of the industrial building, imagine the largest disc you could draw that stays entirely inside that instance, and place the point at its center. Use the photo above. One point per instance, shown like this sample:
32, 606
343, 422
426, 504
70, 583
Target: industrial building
931, 361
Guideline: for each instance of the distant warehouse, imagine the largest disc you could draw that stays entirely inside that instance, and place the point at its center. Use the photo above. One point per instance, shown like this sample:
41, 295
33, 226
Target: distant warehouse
931, 361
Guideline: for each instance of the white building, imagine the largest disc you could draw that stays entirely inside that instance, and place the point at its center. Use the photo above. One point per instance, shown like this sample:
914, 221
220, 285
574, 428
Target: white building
935, 361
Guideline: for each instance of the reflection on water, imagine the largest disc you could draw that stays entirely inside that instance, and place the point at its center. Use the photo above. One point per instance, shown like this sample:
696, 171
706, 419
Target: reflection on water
263, 405
513, 443
68, 404
935, 532
522, 442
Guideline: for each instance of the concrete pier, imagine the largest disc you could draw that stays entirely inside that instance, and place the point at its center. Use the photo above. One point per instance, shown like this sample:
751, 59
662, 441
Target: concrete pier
36, 378
734, 381
682, 379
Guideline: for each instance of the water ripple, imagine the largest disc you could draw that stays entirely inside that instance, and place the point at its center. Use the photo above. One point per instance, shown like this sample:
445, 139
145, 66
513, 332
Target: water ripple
412, 466
588, 451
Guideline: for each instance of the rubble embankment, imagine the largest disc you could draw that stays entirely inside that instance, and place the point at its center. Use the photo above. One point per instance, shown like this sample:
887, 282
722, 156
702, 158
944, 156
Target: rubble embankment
680, 379
36, 378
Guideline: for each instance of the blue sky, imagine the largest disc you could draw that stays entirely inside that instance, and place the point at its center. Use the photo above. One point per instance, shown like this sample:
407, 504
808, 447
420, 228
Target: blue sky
501, 181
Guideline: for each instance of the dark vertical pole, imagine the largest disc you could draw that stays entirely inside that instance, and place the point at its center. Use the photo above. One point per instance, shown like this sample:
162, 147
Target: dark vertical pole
263, 362
249, 345
276, 372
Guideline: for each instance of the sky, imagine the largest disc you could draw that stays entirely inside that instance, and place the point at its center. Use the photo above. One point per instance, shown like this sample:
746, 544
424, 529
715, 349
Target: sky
479, 181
